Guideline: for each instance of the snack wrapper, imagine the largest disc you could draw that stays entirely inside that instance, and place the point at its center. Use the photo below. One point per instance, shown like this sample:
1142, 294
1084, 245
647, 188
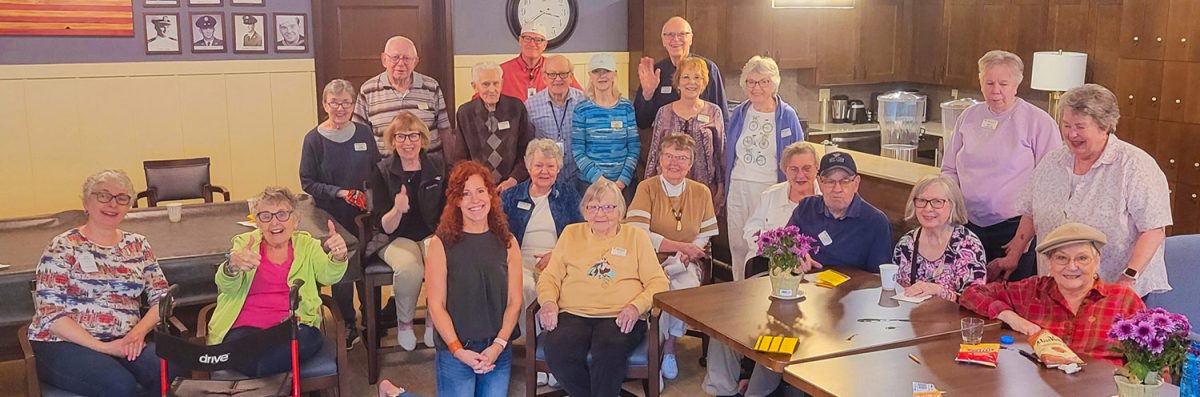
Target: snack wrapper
1052, 350
986, 354
925, 390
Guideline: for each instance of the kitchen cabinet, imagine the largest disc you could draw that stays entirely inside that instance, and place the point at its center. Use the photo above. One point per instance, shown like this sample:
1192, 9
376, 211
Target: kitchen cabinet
962, 19
1180, 99
752, 35
708, 40
885, 40
837, 46
1186, 209
1183, 31
792, 37
928, 42
1171, 154
1144, 29
1139, 87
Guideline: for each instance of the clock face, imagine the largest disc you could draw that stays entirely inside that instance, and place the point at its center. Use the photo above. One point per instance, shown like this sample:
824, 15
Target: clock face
552, 15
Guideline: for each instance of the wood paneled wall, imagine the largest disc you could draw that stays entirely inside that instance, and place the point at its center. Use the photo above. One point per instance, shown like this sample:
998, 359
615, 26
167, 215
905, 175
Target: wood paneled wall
60, 123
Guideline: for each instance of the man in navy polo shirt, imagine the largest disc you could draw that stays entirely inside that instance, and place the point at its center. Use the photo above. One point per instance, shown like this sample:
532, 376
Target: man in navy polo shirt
851, 232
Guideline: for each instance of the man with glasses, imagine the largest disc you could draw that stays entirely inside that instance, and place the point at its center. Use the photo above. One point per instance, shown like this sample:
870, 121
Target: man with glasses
656, 90
852, 232
523, 74
401, 88
551, 110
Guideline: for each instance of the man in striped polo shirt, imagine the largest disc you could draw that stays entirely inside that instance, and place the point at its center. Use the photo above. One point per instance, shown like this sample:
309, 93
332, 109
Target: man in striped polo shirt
401, 88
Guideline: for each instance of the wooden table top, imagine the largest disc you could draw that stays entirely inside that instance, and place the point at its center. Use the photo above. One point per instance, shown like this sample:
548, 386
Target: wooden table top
855, 317
1014, 376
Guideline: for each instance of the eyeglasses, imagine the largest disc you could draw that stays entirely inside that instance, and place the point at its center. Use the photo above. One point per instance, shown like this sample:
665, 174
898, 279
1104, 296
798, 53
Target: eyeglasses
671, 157
340, 104
1063, 260
676, 35
836, 182
936, 203
559, 75
106, 197
408, 137
532, 40
758, 83
395, 59
594, 208
265, 216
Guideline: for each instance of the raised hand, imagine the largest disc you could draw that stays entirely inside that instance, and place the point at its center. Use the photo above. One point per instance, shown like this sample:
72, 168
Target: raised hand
649, 77
400, 203
335, 244
246, 258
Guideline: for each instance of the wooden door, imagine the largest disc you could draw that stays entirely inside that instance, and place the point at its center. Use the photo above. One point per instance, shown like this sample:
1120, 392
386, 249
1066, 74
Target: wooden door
1180, 99
657, 13
928, 42
1183, 31
963, 19
1139, 86
837, 46
352, 34
1067, 29
1143, 28
1103, 56
886, 27
793, 37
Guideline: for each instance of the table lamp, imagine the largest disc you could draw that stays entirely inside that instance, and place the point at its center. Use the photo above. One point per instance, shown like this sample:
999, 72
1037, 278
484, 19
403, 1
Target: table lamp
1057, 72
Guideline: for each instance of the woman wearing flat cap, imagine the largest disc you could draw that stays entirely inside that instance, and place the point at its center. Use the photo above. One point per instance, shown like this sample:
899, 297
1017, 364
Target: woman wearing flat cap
1072, 302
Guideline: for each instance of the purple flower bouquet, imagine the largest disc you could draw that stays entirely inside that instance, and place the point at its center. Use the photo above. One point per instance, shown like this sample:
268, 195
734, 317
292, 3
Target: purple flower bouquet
785, 247
1151, 340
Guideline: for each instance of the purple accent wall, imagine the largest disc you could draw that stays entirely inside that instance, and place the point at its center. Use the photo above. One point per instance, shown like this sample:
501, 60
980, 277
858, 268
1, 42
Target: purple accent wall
23, 50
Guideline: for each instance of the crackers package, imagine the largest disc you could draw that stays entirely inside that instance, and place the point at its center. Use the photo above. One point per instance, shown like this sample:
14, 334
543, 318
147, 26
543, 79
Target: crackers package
1052, 350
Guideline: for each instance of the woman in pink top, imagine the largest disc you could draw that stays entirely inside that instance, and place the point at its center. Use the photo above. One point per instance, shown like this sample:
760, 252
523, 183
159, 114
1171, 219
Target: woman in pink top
991, 155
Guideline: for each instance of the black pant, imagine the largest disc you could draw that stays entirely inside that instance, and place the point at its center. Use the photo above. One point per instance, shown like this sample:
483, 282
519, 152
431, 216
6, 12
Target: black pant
994, 238
279, 359
569, 345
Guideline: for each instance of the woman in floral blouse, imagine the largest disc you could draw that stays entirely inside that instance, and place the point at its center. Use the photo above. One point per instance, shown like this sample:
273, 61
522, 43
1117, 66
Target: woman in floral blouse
702, 120
941, 257
86, 329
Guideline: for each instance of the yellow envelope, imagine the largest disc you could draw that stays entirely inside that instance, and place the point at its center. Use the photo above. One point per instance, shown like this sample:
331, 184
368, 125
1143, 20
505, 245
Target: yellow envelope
776, 344
832, 277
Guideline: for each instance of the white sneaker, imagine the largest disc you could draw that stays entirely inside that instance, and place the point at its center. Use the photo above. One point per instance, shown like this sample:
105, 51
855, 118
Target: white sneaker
428, 335
541, 379
550, 381
406, 338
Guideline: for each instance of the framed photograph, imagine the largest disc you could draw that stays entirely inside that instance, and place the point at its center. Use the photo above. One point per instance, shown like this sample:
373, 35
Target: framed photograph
208, 32
204, 2
291, 32
247, 2
162, 34
161, 3
249, 37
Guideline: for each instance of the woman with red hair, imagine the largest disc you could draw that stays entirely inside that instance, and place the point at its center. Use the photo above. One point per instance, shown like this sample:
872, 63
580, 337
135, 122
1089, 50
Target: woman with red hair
473, 281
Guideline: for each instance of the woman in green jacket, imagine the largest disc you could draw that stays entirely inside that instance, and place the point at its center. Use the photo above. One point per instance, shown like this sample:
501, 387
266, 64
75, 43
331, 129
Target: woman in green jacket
253, 286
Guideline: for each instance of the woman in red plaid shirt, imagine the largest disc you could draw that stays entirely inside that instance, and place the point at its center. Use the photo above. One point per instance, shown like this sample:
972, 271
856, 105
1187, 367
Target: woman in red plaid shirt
1071, 302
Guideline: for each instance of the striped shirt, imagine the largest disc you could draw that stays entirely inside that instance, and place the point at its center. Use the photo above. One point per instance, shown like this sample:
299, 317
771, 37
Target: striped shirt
378, 104
656, 202
604, 141
554, 123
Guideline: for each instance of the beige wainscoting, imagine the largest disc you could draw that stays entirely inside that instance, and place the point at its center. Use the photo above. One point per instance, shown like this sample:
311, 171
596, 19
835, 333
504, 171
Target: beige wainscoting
579, 60
59, 123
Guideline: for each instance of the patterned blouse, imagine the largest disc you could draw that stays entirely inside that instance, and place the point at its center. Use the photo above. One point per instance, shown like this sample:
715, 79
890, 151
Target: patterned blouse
708, 130
961, 266
97, 286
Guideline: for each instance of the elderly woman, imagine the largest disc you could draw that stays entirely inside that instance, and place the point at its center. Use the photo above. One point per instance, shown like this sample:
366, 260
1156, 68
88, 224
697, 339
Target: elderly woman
335, 164
991, 156
86, 332
1105, 182
678, 213
701, 120
253, 285
1072, 302
473, 273
410, 193
601, 271
941, 257
604, 137
756, 135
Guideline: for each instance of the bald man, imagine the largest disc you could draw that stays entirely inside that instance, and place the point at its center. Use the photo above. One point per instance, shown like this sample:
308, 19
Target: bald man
655, 78
400, 88
551, 110
523, 74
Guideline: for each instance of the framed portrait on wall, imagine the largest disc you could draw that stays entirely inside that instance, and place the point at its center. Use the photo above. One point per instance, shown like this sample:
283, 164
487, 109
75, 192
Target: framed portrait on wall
204, 2
291, 32
247, 2
249, 35
161, 3
208, 32
162, 34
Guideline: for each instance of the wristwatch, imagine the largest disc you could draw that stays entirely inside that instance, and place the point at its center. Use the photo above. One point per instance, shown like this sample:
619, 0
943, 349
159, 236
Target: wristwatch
1131, 273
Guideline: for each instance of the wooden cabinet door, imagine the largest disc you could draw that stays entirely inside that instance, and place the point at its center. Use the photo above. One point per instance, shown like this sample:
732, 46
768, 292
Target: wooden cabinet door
1068, 27
1186, 136
1180, 100
886, 31
1171, 148
1103, 55
963, 20
792, 37
1139, 86
1185, 212
1183, 31
837, 46
1144, 28
928, 42
749, 33
708, 39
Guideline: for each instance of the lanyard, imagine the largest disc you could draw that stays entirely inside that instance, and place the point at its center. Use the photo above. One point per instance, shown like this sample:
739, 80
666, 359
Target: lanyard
559, 123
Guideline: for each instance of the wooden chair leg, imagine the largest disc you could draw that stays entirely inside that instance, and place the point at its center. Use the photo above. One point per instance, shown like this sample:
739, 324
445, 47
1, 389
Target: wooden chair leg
371, 305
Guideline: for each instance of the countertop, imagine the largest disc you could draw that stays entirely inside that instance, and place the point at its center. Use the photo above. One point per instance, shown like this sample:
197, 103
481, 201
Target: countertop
905, 172
933, 128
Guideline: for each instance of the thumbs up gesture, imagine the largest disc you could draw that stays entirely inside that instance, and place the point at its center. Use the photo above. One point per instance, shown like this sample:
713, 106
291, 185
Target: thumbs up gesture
246, 258
401, 201
335, 244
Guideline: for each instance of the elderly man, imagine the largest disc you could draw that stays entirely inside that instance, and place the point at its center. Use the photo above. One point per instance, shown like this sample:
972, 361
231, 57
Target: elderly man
400, 88
852, 232
493, 128
551, 109
523, 74
656, 78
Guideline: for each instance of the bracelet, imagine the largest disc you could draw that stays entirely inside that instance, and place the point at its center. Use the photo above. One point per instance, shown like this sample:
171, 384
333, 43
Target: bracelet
500, 341
454, 346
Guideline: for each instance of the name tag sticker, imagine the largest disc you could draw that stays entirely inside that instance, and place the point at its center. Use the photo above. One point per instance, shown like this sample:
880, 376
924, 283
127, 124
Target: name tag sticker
616, 124
990, 124
422, 106
665, 90
503, 125
560, 145
86, 262
360, 147
786, 132
618, 251
529, 92
703, 118
824, 237
524, 205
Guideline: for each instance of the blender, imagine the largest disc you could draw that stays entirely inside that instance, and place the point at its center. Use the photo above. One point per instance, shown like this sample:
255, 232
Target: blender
900, 117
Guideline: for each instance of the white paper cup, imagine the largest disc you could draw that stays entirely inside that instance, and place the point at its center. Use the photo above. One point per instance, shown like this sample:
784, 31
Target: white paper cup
175, 212
887, 276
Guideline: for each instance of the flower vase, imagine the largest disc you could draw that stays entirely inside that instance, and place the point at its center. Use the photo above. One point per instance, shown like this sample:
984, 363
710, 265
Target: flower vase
785, 284
1125, 388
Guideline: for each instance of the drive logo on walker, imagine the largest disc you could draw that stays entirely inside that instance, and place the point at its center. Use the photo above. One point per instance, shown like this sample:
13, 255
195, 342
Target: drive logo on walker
208, 359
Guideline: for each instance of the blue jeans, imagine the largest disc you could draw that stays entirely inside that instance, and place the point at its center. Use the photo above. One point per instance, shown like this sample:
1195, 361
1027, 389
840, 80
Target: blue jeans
455, 379
279, 359
84, 371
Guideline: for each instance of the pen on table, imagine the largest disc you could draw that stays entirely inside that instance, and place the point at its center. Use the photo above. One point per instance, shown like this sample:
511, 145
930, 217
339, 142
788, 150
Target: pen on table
914, 359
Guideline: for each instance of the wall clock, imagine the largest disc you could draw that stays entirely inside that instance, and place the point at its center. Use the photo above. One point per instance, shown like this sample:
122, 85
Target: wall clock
556, 16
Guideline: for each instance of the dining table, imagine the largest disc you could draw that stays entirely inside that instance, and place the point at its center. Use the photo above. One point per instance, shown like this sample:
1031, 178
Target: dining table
188, 251
854, 317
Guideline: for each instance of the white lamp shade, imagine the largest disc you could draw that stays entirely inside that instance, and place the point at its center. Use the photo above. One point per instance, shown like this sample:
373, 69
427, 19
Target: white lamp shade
1057, 70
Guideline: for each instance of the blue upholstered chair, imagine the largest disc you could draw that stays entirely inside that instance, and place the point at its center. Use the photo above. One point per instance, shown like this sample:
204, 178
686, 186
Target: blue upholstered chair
1183, 262
643, 361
